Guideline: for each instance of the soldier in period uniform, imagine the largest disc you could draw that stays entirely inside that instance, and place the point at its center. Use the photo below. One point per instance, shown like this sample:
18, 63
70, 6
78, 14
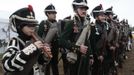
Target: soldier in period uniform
48, 31
21, 55
63, 51
79, 53
98, 39
112, 42
123, 40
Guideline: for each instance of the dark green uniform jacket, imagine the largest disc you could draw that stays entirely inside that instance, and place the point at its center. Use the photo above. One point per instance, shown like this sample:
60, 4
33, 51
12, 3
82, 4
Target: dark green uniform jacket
68, 38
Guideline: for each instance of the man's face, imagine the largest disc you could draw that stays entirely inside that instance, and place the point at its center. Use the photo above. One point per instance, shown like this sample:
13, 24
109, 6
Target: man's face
82, 11
101, 17
28, 30
110, 16
52, 15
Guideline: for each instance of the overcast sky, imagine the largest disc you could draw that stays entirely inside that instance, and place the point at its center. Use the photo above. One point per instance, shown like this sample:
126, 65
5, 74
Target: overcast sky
123, 8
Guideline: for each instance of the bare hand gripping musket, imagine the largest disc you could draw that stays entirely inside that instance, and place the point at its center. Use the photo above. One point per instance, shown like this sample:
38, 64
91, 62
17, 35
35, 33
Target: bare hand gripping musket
35, 38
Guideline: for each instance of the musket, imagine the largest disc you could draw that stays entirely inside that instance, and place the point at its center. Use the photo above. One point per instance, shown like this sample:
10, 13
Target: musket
51, 33
81, 40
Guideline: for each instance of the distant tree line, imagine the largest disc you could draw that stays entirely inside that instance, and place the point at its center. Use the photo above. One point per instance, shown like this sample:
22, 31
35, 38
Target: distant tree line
132, 28
3, 43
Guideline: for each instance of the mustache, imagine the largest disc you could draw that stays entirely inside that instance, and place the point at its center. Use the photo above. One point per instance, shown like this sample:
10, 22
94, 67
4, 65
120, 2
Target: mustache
84, 13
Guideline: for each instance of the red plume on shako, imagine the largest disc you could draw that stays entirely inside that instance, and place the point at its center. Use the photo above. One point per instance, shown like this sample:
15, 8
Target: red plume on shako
30, 8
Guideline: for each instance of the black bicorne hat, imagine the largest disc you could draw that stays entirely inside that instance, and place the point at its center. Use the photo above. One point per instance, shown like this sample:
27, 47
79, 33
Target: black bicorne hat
22, 17
97, 10
50, 8
109, 11
80, 3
